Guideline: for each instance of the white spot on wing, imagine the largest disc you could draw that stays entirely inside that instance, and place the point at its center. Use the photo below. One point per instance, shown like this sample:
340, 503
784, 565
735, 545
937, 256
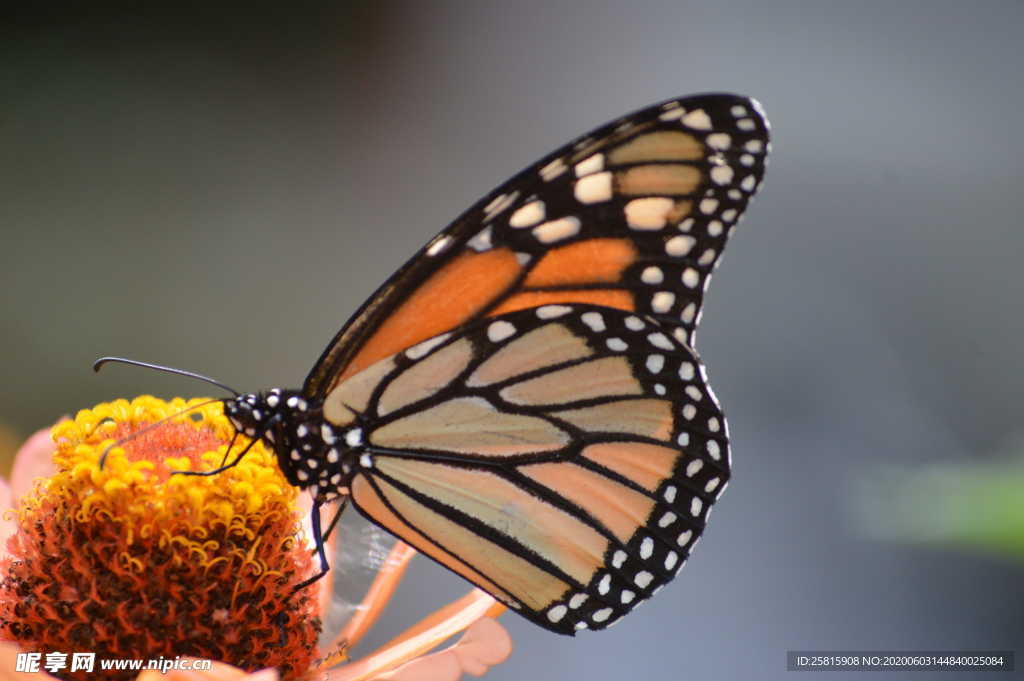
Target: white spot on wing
649, 213
553, 311
696, 506
499, 203
660, 340
652, 275
594, 188
482, 241
697, 119
594, 320
553, 170
617, 344
671, 114
557, 230
721, 174
439, 245
500, 330
422, 349
556, 613
707, 257
662, 301
634, 323
690, 277
678, 246
719, 140
528, 215
591, 164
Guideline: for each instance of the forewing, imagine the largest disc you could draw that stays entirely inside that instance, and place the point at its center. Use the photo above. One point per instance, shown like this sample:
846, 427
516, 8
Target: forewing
632, 216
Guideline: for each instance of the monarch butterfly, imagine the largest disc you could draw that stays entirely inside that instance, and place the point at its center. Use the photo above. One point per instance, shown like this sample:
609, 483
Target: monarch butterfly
522, 401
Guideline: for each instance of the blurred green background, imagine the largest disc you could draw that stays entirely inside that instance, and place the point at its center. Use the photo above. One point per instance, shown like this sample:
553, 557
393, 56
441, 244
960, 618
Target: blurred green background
219, 189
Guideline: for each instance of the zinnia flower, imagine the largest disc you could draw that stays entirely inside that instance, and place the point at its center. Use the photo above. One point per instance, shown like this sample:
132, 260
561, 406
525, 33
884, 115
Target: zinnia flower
129, 561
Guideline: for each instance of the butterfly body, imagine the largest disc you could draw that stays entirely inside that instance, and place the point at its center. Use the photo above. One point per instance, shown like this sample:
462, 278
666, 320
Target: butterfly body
523, 401
311, 452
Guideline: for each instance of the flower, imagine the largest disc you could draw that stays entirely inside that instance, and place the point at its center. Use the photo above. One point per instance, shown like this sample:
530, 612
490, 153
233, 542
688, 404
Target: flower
131, 561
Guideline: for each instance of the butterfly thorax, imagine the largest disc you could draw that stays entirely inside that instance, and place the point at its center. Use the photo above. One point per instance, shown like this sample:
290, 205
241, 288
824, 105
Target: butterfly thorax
310, 451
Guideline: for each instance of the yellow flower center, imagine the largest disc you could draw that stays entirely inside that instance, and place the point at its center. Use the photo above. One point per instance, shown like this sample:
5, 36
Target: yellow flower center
133, 561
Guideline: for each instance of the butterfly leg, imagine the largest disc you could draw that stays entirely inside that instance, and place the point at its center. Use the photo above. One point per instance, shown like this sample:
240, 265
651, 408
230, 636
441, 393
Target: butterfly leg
228, 450
222, 467
318, 537
337, 516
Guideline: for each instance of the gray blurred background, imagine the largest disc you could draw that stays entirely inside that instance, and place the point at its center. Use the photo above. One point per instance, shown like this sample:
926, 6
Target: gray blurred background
219, 191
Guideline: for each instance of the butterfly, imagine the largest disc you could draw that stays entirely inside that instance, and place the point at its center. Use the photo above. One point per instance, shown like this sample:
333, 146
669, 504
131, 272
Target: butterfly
522, 401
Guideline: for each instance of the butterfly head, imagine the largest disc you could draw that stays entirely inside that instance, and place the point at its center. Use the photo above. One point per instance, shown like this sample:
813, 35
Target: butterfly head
309, 452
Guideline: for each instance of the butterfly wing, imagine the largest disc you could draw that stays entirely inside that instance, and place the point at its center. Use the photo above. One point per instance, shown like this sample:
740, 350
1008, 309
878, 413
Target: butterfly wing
563, 458
536, 417
632, 216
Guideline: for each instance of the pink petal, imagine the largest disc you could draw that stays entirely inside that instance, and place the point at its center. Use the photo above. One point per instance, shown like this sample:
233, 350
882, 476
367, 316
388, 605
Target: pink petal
422, 638
7, 525
219, 671
484, 645
33, 460
8, 660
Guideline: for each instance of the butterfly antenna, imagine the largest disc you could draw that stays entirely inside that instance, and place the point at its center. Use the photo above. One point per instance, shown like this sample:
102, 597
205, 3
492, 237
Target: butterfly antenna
98, 364
152, 426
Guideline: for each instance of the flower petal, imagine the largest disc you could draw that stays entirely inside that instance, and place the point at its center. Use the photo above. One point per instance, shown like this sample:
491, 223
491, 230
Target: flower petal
219, 671
423, 637
7, 524
485, 644
33, 460
8, 659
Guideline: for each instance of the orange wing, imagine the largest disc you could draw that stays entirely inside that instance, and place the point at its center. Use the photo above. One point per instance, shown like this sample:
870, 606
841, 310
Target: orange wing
563, 458
633, 216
